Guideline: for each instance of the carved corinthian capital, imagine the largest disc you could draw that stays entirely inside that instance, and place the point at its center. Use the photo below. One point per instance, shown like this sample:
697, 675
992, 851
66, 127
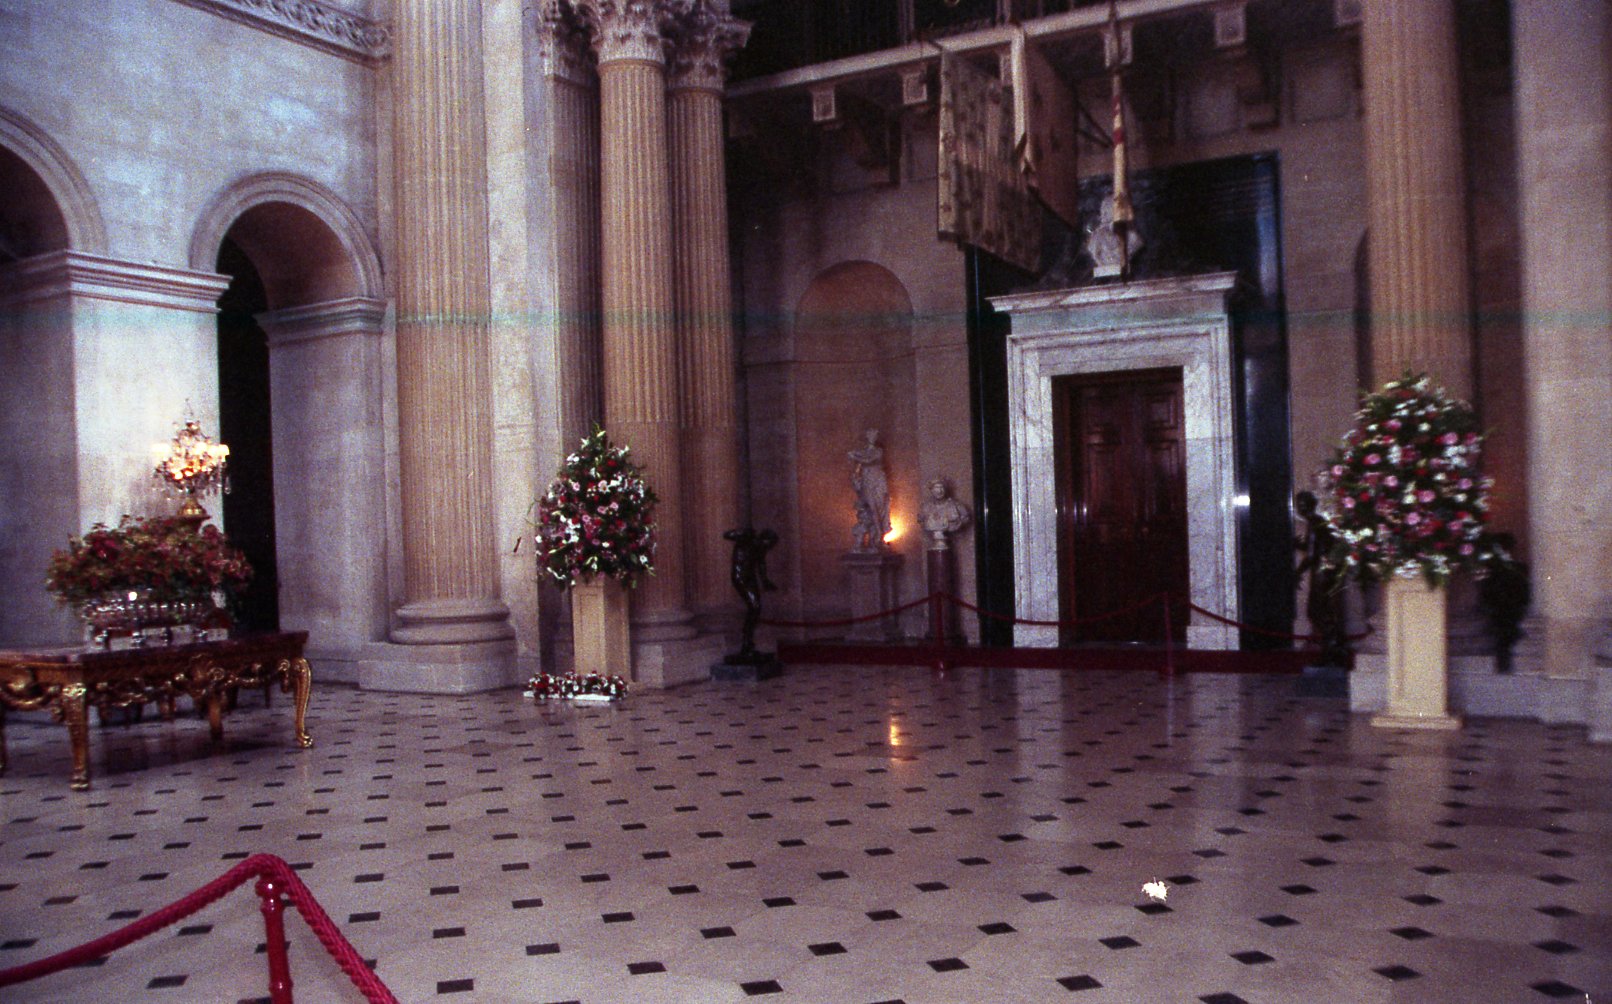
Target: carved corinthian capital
631, 29
701, 42
562, 41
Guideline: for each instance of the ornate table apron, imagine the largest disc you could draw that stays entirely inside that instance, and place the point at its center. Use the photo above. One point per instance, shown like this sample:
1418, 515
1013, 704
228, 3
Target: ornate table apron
69, 683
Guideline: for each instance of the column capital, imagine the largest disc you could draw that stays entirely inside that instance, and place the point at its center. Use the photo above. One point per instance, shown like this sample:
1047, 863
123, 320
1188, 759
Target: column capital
562, 42
631, 29
701, 43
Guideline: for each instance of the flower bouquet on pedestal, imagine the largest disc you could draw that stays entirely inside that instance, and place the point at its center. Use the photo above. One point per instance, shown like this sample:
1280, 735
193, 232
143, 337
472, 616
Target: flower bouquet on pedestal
595, 533
1409, 507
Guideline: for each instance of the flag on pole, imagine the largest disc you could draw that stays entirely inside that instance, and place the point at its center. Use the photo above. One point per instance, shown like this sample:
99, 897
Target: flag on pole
1044, 129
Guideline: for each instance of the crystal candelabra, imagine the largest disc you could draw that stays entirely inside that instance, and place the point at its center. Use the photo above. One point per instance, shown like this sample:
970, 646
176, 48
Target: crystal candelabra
191, 464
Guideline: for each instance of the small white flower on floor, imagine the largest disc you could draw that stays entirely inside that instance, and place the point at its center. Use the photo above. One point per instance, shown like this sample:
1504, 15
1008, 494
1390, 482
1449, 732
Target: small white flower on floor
1156, 889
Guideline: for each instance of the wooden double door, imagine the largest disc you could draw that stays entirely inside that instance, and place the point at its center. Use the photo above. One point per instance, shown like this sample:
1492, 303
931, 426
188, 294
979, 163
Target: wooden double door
1122, 505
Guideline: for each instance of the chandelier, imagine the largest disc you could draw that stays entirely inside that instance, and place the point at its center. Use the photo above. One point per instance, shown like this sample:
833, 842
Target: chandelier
190, 465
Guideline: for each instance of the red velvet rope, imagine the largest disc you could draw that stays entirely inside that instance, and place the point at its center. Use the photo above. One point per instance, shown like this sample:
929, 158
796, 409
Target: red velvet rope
959, 601
845, 621
323, 928
1059, 623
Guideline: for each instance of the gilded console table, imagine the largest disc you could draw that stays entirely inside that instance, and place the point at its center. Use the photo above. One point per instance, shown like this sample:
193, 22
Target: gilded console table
69, 682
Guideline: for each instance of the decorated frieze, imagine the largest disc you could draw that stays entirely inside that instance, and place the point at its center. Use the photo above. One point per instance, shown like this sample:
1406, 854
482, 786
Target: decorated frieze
309, 22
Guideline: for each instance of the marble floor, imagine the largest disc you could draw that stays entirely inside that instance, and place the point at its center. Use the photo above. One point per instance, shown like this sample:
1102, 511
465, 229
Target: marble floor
833, 835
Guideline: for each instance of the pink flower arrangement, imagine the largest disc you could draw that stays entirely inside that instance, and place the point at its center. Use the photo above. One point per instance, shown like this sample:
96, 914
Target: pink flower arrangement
1404, 491
164, 558
597, 518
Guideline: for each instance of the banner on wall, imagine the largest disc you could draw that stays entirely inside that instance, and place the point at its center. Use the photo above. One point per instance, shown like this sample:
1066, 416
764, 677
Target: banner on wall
1044, 129
983, 196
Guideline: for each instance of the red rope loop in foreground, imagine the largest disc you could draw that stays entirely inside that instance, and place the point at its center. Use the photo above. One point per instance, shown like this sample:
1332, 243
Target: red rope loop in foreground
266, 865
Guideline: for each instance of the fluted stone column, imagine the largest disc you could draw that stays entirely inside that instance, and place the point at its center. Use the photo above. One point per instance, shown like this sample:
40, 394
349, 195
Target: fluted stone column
573, 239
704, 300
1420, 306
1416, 194
639, 333
1564, 143
450, 573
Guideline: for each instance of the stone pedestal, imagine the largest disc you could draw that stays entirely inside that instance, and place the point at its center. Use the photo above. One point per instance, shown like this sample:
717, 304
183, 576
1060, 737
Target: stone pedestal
599, 626
748, 668
871, 581
1417, 657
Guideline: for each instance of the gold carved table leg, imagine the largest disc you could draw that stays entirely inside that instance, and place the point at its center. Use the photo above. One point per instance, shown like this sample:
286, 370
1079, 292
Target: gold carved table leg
76, 717
297, 676
215, 714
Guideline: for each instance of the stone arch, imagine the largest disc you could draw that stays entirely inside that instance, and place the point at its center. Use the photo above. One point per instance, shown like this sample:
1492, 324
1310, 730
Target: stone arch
38, 170
308, 245
302, 343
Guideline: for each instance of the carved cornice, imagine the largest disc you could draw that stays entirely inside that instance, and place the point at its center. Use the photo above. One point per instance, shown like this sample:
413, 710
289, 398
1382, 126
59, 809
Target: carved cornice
94, 277
701, 43
308, 22
562, 42
631, 29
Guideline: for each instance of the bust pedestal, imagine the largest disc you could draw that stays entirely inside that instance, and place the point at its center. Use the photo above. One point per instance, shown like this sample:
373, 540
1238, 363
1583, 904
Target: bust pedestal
871, 579
942, 569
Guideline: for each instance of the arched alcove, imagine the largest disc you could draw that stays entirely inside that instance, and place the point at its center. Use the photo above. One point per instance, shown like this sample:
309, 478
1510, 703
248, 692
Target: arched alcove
854, 370
301, 406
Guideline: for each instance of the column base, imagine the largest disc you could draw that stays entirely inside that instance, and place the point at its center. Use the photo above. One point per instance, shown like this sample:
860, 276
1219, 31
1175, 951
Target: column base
438, 669
452, 622
674, 662
1440, 723
1600, 713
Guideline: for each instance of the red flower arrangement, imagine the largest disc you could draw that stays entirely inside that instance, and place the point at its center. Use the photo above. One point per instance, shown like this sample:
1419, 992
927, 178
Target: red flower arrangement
164, 558
1404, 491
597, 517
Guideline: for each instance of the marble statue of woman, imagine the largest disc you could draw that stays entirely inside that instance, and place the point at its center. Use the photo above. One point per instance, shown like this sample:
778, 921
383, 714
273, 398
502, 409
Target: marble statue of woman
872, 494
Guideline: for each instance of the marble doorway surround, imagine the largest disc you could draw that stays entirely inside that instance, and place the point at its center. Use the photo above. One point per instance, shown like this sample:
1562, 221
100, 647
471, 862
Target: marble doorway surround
1153, 324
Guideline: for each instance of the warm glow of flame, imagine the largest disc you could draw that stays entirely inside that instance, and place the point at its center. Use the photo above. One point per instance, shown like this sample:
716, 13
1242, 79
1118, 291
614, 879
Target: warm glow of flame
896, 738
896, 530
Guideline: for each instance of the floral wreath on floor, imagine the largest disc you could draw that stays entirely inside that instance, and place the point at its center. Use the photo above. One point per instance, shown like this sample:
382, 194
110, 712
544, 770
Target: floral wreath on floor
544, 686
1403, 492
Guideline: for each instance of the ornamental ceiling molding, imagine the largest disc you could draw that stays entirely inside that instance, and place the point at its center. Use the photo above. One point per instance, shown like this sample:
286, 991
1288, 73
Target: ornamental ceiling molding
307, 22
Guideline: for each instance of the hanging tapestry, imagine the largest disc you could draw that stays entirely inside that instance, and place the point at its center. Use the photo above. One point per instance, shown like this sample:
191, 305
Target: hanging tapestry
1044, 130
983, 198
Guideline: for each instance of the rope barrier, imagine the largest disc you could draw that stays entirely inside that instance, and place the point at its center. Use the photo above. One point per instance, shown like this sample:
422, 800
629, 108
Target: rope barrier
846, 621
936, 597
276, 878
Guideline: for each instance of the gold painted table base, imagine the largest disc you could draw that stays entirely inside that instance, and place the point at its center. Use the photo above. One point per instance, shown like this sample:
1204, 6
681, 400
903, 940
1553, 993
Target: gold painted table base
68, 683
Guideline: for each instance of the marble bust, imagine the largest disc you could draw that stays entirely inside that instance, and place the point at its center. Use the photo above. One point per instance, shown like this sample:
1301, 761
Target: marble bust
941, 515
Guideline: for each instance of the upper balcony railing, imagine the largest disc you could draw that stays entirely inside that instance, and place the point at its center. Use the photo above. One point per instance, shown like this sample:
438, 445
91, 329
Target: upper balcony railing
790, 34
